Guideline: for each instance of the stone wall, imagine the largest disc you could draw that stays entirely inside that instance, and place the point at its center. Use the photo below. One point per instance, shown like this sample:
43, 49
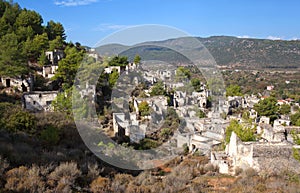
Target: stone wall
39, 101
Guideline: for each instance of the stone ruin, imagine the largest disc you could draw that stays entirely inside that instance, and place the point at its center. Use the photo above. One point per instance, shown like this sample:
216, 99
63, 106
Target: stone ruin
270, 157
39, 100
131, 128
21, 84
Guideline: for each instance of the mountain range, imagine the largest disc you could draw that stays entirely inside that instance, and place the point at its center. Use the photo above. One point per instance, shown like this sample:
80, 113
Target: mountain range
228, 52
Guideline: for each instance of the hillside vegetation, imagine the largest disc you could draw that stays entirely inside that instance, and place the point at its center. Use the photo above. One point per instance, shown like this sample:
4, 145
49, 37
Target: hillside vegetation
24, 39
229, 52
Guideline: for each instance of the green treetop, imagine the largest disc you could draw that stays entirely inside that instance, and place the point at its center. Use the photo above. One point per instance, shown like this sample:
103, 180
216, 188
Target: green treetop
118, 61
144, 108
233, 90
267, 107
243, 132
137, 59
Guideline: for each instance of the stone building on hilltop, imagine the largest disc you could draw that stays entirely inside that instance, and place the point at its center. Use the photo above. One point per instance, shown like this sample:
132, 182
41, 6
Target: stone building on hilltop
39, 101
270, 157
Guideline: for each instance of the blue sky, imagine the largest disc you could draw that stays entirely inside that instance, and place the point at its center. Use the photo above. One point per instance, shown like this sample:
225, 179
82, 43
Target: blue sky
88, 21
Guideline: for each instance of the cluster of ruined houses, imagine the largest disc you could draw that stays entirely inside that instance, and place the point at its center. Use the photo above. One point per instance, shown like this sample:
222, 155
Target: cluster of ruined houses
39, 100
35, 100
129, 124
274, 147
273, 153
202, 134
185, 104
272, 156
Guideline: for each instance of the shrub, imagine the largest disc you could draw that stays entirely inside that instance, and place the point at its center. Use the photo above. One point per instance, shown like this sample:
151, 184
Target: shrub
238, 171
120, 182
210, 168
93, 170
16, 178
165, 132
14, 118
244, 133
100, 185
147, 143
185, 149
144, 108
51, 135
64, 176
250, 172
296, 154
25, 179
3, 166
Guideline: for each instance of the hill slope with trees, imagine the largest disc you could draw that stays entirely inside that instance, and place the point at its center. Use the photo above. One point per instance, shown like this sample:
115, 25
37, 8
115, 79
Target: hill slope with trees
24, 38
230, 52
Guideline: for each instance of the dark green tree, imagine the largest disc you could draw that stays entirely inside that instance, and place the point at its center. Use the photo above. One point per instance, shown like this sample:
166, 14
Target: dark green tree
63, 102
30, 18
284, 109
233, 90
118, 61
144, 108
54, 30
57, 43
68, 66
196, 83
11, 13
295, 119
43, 60
267, 107
243, 132
113, 78
12, 62
158, 89
137, 59
183, 73
25, 33
32, 49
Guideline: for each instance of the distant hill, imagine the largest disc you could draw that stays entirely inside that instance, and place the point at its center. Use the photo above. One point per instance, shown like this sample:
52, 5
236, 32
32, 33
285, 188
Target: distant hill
244, 53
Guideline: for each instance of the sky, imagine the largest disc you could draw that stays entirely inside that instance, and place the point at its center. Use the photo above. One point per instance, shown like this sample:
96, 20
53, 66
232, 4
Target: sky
89, 21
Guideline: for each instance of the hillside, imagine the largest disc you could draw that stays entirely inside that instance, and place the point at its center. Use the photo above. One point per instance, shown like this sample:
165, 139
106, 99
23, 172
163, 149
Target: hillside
227, 51
24, 39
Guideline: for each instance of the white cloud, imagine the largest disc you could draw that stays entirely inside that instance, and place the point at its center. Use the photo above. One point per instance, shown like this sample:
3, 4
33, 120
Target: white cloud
274, 38
69, 3
244, 36
110, 27
295, 38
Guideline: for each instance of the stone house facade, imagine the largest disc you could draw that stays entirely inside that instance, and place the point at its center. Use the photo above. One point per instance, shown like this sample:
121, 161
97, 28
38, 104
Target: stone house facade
270, 157
39, 101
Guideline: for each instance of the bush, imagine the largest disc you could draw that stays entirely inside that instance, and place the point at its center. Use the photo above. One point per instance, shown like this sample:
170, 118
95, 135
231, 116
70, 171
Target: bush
23, 179
21, 121
93, 170
121, 182
210, 168
144, 108
147, 143
158, 89
14, 118
64, 176
296, 154
51, 135
100, 185
244, 133
3, 166
250, 172
165, 132
185, 149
